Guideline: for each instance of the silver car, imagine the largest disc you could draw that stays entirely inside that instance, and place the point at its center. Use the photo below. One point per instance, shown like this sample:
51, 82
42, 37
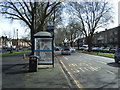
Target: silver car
117, 55
72, 49
66, 50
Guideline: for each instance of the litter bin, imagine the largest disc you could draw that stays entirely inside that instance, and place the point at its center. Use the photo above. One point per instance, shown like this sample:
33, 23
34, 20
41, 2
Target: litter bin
33, 62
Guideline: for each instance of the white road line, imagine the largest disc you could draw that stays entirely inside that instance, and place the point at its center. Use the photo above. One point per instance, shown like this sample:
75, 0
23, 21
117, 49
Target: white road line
65, 57
110, 72
101, 62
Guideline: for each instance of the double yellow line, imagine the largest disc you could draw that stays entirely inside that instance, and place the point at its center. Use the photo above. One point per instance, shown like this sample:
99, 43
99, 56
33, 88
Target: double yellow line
71, 75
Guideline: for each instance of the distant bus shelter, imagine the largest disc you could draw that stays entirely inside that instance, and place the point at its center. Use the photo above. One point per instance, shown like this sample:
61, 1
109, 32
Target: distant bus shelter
44, 49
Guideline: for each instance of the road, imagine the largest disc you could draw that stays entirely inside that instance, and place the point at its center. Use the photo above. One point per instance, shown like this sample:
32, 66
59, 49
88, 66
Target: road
90, 71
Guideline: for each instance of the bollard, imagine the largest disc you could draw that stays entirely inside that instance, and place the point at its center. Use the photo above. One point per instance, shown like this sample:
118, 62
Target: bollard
24, 56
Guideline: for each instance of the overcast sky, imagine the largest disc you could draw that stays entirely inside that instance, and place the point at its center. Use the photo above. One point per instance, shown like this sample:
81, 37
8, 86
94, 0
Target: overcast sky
9, 28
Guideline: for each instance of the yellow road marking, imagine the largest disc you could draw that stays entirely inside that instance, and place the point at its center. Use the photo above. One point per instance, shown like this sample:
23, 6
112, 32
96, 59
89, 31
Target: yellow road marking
92, 68
87, 65
82, 70
86, 68
75, 64
97, 68
65, 57
71, 69
76, 81
70, 64
77, 70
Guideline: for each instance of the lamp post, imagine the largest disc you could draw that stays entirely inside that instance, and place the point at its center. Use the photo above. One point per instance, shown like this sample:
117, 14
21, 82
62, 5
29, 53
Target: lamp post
17, 39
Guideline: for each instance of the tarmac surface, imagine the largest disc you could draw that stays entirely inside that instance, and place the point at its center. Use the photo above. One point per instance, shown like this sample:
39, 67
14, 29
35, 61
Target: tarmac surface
15, 74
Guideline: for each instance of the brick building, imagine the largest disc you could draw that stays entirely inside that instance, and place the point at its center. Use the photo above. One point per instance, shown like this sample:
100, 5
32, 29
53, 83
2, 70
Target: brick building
21, 42
7, 42
107, 38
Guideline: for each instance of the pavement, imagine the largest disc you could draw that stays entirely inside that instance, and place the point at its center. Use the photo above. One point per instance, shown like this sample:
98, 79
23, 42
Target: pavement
15, 74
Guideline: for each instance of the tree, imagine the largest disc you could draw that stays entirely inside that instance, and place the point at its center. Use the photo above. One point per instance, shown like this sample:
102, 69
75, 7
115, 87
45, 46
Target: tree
33, 14
74, 30
58, 39
92, 16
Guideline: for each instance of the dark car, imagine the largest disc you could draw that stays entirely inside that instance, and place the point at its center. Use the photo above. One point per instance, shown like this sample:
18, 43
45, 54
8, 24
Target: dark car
117, 55
112, 50
57, 48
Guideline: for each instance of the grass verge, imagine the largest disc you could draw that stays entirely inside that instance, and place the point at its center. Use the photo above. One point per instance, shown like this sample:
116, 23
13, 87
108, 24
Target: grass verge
110, 55
14, 53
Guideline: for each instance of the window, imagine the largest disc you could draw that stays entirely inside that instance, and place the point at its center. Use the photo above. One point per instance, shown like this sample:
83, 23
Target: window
116, 39
111, 39
115, 32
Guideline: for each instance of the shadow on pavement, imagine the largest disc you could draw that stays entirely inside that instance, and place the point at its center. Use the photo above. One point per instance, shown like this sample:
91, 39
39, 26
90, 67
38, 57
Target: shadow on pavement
9, 66
113, 64
16, 68
18, 72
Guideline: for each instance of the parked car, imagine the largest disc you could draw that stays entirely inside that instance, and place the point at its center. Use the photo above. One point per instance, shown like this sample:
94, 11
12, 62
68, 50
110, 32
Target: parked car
95, 49
76, 48
29, 48
84, 47
72, 49
117, 55
100, 49
66, 50
57, 48
20, 48
112, 50
81, 48
9, 49
106, 50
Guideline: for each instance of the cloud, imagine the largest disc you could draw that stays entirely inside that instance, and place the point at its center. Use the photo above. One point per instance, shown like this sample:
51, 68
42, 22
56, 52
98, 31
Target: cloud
8, 27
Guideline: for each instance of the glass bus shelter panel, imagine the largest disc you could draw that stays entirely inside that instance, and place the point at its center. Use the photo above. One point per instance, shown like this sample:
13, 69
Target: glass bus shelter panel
43, 49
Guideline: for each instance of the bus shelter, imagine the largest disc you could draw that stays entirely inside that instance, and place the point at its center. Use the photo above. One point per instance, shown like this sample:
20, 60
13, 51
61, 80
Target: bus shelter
44, 49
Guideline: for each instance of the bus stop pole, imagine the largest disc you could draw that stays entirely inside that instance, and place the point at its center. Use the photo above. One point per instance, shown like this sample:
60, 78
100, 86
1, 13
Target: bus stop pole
53, 51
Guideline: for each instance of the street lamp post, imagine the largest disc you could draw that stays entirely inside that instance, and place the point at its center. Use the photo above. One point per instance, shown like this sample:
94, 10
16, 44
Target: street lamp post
17, 39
